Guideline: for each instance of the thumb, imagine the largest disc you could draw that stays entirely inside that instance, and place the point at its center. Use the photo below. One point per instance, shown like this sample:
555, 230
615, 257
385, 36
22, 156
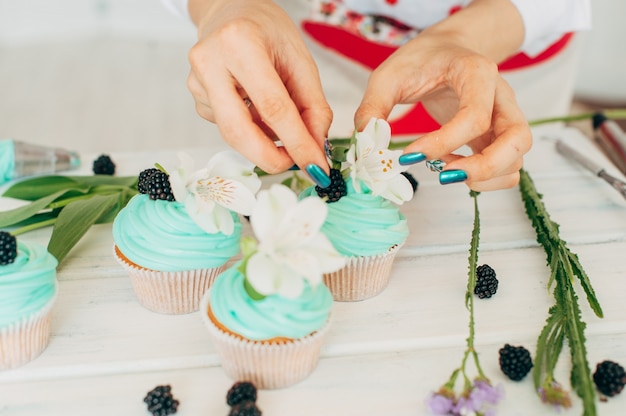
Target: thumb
376, 103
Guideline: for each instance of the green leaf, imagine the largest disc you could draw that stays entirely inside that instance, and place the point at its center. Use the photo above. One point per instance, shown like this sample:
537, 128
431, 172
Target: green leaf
98, 180
473, 257
16, 215
37, 188
75, 219
564, 265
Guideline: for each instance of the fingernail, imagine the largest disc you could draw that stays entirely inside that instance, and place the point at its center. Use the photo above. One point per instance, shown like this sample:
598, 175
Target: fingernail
318, 175
328, 149
411, 158
435, 165
294, 167
452, 176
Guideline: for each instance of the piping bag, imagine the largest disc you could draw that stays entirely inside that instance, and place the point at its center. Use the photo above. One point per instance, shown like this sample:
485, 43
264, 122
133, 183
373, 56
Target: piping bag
19, 159
611, 139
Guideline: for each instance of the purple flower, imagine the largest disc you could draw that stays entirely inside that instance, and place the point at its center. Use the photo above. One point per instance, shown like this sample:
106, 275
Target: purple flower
484, 393
480, 400
440, 404
553, 393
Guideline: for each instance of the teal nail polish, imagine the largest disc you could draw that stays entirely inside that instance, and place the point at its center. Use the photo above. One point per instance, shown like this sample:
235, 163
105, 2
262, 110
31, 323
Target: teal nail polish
318, 175
411, 158
452, 176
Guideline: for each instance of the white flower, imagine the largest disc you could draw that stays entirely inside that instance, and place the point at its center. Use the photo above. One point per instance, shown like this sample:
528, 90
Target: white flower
228, 183
291, 248
378, 167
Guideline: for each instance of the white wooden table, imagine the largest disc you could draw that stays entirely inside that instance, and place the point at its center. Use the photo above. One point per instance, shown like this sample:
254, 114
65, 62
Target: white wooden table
383, 355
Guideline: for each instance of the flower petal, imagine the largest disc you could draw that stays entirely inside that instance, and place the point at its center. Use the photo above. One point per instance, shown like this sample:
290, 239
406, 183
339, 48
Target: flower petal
397, 190
227, 193
261, 272
178, 185
232, 165
384, 164
301, 223
268, 277
270, 209
202, 213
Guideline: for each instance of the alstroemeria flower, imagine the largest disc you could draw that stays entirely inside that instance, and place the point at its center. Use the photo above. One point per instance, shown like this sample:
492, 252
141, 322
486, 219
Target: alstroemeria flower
291, 248
228, 183
376, 166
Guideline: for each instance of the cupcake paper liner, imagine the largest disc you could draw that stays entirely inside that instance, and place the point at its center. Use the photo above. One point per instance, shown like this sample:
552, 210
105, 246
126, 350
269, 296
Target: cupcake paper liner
25, 339
362, 277
267, 364
169, 292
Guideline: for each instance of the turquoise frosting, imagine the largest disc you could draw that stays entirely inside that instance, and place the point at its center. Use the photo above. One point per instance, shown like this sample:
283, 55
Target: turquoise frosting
27, 284
361, 224
271, 317
160, 235
7, 160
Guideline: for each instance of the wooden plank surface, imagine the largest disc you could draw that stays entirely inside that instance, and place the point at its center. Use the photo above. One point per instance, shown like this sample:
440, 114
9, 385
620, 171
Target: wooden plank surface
383, 355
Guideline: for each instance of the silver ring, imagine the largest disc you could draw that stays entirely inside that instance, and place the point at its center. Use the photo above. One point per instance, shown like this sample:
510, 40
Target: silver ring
247, 101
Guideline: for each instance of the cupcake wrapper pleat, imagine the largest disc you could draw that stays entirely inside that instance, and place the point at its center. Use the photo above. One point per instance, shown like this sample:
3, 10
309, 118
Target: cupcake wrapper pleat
170, 292
24, 340
362, 277
267, 365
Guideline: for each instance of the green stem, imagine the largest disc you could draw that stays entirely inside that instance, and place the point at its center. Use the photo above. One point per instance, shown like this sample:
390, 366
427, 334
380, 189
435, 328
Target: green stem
34, 226
63, 202
616, 113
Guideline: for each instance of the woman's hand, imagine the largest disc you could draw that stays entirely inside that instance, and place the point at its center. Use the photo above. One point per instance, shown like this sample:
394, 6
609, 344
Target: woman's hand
463, 90
253, 76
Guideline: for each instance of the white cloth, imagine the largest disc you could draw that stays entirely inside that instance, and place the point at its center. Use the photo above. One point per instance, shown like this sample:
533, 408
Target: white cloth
544, 21
178, 7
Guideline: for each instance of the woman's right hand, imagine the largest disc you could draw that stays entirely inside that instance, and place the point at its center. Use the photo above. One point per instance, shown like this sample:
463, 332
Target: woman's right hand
253, 76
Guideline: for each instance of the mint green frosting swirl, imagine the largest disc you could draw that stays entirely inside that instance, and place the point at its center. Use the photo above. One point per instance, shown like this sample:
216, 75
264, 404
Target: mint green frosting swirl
271, 317
160, 235
361, 224
27, 284
7, 160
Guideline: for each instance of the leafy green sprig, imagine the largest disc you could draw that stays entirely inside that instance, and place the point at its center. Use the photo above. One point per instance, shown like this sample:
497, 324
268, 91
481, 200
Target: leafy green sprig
564, 318
477, 396
71, 204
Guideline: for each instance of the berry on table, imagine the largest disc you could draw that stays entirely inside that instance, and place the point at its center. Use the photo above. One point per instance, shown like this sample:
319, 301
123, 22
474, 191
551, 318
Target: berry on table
336, 189
245, 408
8, 248
241, 391
486, 282
412, 180
103, 165
160, 401
156, 184
609, 378
515, 362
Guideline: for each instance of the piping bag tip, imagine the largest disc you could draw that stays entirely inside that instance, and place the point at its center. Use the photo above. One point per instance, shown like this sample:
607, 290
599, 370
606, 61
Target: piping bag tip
597, 119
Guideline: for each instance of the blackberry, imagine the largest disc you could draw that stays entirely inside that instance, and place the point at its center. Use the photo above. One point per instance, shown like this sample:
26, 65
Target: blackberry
103, 165
486, 282
245, 408
156, 184
142, 185
515, 362
609, 378
412, 180
336, 189
240, 392
160, 401
8, 248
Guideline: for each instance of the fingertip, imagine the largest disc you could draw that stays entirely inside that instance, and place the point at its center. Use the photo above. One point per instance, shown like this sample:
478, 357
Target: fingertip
367, 110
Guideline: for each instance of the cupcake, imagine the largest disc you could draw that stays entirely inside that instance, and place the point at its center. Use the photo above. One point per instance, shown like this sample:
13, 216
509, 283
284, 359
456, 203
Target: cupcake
179, 232
268, 314
28, 288
364, 222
